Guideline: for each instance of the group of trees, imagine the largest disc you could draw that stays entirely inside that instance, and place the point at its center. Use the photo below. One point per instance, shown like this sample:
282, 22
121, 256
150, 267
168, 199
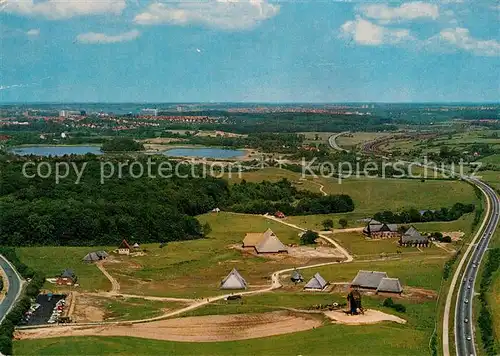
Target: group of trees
439, 237
309, 237
413, 215
267, 197
329, 224
16, 315
122, 144
37, 211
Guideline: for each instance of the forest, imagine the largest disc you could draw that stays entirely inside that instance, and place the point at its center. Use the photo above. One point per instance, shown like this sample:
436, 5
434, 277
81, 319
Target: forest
38, 211
413, 215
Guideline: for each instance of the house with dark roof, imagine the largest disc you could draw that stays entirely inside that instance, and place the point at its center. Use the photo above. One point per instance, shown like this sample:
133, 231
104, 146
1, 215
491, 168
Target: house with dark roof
66, 278
124, 248
316, 283
376, 281
296, 277
412, 237
378, 230
368, 279
389, 285
95, 256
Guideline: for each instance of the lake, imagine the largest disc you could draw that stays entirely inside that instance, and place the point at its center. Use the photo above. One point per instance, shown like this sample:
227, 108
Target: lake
56, 150
205, 152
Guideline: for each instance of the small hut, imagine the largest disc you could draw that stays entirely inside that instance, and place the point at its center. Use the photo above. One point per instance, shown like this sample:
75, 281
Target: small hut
297, 277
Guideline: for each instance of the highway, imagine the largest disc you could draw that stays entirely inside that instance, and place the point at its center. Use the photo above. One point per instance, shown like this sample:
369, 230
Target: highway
464, 323
14, 291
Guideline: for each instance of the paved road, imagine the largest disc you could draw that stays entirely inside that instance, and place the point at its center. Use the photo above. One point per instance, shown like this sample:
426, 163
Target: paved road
333, 144
464, 331
15, 285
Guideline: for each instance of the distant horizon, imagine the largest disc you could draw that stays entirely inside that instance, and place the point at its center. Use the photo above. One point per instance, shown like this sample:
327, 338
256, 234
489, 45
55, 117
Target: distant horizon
248, 102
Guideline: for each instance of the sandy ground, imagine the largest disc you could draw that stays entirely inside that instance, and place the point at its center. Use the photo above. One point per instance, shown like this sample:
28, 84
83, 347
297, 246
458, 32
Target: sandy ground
298, 252
86, 309
192, 329
369, 317
455, 235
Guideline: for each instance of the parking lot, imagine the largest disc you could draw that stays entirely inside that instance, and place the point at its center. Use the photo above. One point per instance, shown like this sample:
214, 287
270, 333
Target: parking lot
46, 305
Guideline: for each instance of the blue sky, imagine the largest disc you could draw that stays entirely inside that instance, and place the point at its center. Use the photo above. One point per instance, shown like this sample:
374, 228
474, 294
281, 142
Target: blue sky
249, 50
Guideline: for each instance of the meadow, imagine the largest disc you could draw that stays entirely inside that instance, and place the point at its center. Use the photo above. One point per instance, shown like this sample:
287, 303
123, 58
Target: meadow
381, 339
52, 261
194, 269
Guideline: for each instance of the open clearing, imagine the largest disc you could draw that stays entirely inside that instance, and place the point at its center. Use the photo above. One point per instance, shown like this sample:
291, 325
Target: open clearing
370, 316
193, 329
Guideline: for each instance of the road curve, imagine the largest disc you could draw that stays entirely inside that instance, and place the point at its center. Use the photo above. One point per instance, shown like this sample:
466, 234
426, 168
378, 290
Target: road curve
14, 289
333, 143
464, 329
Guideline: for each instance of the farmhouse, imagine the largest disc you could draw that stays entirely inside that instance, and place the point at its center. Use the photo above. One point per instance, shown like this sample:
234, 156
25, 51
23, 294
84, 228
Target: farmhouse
377, 281
412, 237
124, 248
266, 242
67, 278
95, 256
233, 281
368, 279
377, 230
389, 285
316, 283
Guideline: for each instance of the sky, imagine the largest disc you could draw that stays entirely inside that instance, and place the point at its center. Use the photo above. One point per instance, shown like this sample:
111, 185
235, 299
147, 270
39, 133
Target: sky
249, 51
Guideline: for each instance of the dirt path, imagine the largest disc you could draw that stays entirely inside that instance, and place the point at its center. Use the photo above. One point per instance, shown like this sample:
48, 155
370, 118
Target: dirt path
209, 328
348, 257
115, 286
137, 296
321, 186
338, 231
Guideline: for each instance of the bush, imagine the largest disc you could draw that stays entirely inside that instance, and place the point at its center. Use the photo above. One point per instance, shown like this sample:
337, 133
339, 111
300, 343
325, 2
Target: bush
327, 224
389, 303
308, 238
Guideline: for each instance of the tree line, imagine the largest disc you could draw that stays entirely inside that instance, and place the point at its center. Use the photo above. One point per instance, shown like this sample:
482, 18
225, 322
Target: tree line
39, 212
413, 215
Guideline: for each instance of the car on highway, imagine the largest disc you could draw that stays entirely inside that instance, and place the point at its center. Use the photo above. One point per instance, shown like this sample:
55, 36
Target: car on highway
466, 320
468, 287
469, 338
466, 301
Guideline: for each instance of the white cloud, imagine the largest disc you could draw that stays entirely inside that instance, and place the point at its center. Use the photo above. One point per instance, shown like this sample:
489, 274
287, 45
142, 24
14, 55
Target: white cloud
102, 38
367, 33
33, 32
63, 9
460, 38
222, 14
405, 12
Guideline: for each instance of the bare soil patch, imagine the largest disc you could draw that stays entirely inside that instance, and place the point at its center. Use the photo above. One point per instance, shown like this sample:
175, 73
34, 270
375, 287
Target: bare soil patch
86, 309
193, 329
298, 253
370, 316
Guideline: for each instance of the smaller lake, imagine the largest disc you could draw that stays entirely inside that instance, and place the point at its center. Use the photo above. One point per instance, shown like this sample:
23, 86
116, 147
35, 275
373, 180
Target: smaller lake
56, 150
204, 152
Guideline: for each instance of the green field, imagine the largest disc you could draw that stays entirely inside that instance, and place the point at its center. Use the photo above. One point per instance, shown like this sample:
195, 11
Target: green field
133, 308
382, 339
195, 268
53, 260
415, 271
371, 195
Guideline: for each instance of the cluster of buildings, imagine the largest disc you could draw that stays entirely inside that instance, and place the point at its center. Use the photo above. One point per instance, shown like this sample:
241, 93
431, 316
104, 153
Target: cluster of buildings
411, 237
